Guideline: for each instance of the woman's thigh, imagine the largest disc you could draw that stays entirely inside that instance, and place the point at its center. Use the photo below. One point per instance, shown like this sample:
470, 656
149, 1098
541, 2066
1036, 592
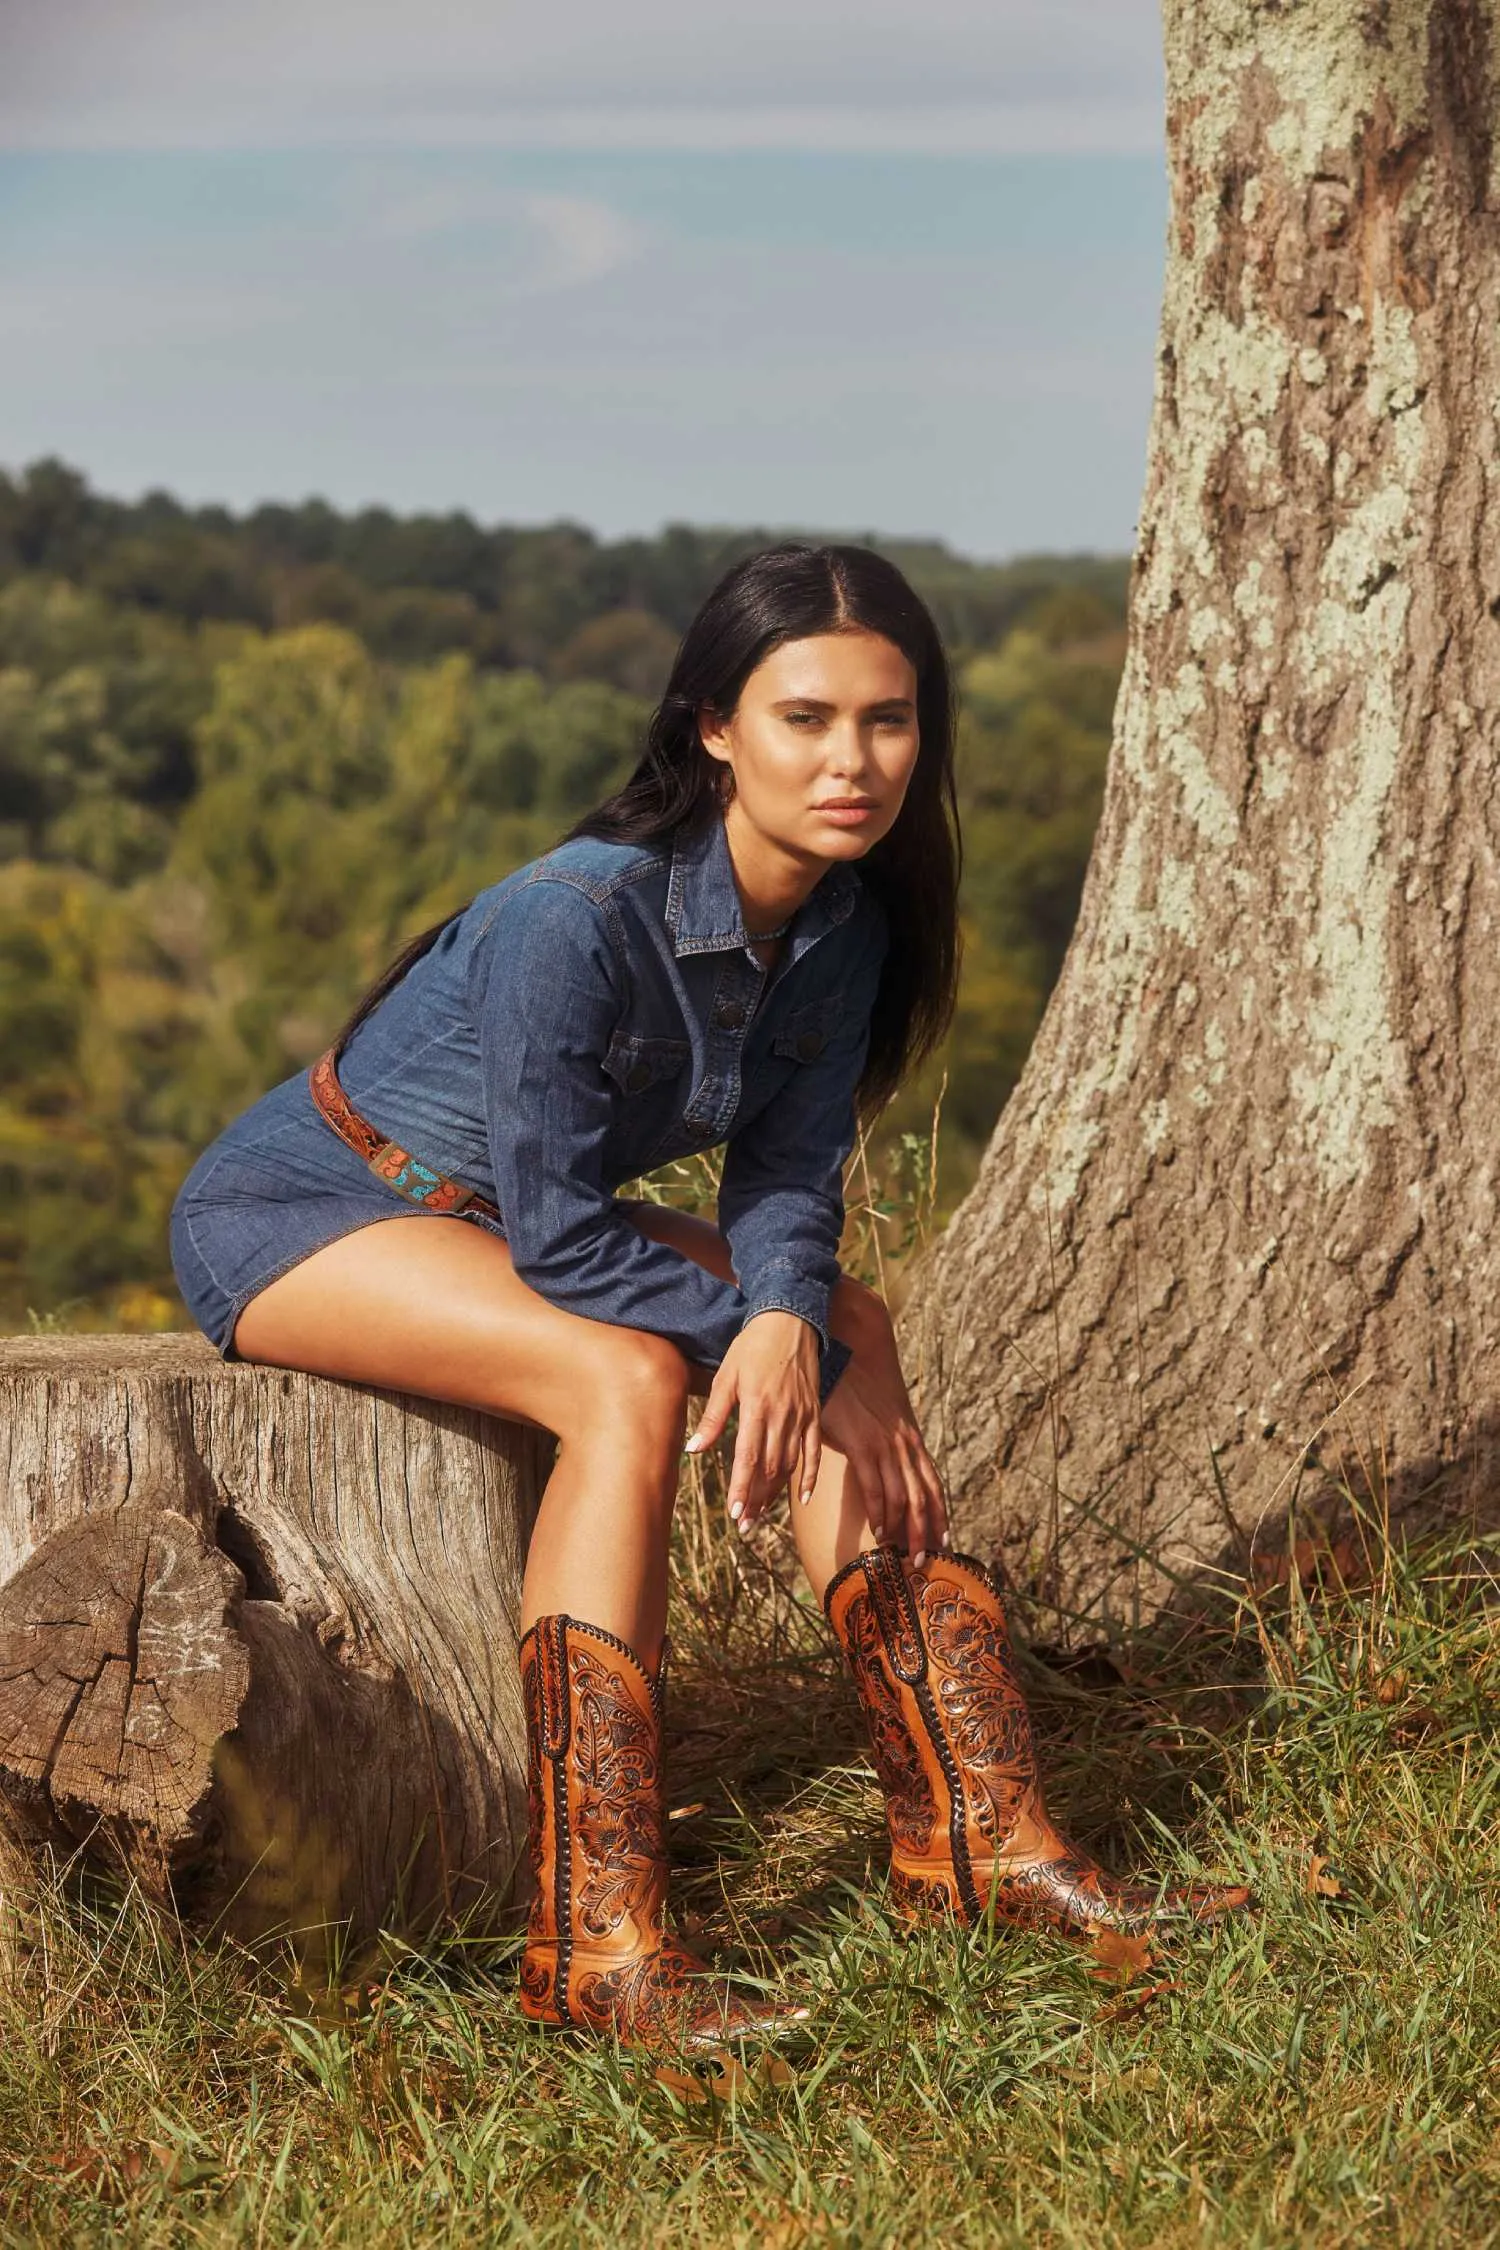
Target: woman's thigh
435, 1305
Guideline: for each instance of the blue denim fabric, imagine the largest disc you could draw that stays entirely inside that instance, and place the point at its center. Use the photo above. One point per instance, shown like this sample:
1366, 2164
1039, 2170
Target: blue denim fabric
600, 1013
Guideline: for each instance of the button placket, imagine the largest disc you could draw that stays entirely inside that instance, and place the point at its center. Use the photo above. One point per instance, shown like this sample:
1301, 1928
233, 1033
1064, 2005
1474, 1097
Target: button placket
718, 1097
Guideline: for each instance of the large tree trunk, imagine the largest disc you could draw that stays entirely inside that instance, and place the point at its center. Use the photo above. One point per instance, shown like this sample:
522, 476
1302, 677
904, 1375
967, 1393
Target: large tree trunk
258, 1637
1243, 1202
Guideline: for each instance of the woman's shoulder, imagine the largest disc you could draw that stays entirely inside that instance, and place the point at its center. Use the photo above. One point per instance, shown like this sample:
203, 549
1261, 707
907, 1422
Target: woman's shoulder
597, 864
584, 868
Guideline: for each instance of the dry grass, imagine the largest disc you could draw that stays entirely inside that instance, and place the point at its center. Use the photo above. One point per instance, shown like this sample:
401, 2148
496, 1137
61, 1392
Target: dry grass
1322, 2074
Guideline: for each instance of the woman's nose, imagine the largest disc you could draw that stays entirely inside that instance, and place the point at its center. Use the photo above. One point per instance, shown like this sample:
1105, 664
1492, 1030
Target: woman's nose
848, 749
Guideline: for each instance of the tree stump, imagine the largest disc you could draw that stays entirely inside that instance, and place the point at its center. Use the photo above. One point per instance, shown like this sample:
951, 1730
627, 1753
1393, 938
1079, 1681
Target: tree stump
258, 1638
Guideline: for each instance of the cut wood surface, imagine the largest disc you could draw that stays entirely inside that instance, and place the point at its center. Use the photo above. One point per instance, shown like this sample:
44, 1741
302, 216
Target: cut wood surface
258, 1636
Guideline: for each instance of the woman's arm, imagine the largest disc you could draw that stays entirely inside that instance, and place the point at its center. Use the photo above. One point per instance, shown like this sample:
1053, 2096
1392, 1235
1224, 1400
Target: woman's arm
546, 990
781, 1208
781, 1202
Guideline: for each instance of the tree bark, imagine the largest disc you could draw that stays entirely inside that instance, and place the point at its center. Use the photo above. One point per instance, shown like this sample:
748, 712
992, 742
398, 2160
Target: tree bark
1236, 1230
258, 1637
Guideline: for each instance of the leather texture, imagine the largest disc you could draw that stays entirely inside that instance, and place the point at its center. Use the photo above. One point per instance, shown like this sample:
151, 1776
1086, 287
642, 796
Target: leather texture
599, 1956
407, 1174
951, 1738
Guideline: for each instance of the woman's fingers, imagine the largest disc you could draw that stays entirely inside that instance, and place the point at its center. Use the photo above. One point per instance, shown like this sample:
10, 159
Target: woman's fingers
809, 1460
881, 1505
913, 1507
720, 1405
937, 1502
748, 1466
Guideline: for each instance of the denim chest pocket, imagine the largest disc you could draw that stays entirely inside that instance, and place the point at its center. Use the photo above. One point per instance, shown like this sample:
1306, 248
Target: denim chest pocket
808, 1029
636, 1064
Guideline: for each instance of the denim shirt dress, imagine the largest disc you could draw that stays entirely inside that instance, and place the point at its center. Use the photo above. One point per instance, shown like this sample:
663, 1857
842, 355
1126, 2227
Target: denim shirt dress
596, 1014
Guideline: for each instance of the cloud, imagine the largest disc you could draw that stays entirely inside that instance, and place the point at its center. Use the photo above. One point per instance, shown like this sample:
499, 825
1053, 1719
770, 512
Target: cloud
912, 76
562, 241
583, 238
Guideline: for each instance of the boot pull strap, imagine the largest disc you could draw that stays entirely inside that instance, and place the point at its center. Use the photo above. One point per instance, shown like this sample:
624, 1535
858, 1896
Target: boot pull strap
552, 1683
897, 1616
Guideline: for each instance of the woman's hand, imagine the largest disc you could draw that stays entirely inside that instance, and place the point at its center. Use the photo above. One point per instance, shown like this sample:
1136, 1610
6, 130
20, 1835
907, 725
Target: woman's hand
770, 1372
891, 1466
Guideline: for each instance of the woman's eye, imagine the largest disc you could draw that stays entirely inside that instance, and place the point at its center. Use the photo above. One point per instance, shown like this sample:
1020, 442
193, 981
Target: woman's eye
802, 718
893, 719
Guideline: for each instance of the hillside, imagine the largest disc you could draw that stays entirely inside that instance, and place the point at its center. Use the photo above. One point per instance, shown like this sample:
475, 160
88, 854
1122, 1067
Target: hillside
242, 757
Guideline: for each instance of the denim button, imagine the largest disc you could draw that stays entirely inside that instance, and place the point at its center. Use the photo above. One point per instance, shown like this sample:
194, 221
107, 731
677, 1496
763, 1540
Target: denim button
810, 1044
730, 1014
637, 1080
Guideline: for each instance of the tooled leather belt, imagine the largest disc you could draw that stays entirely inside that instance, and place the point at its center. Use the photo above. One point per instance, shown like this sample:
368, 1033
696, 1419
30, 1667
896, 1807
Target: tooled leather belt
407, 1174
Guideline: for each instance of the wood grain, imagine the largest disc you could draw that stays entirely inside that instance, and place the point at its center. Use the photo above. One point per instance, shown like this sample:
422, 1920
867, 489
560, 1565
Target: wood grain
258, 1636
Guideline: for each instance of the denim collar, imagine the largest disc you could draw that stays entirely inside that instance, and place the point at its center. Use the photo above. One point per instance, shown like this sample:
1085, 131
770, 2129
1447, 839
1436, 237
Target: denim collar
703, 906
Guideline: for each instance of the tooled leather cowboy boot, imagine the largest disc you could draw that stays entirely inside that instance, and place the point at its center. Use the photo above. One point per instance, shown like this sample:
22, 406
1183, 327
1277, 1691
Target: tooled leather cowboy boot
599, 1956
952, 1743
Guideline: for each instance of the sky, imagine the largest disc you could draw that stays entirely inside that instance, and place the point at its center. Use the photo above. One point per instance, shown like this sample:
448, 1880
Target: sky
889, 267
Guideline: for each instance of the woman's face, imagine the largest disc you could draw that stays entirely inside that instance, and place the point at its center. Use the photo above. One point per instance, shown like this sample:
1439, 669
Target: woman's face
822, 744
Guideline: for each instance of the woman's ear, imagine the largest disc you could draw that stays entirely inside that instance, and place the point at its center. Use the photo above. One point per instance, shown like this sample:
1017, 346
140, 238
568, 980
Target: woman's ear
713, 733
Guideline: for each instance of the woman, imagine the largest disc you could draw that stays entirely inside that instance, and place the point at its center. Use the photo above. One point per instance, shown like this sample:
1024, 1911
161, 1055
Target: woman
756, 935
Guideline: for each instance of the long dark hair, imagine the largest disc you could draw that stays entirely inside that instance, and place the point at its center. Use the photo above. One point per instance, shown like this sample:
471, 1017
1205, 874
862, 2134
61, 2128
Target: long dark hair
790, 593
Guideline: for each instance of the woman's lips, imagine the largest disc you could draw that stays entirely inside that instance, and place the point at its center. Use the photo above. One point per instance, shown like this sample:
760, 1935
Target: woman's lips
849, 813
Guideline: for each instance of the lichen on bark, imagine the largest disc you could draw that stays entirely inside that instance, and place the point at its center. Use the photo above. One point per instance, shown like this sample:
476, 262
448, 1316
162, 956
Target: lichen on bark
1239, 1205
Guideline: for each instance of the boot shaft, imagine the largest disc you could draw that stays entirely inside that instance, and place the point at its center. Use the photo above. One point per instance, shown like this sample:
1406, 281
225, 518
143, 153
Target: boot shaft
594, 1789
949, 1730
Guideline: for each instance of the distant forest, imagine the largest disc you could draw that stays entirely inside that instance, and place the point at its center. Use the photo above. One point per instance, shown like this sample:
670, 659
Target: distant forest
242, 757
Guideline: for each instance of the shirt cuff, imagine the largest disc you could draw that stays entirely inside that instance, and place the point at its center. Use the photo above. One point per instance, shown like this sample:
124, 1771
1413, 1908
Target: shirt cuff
783, 1289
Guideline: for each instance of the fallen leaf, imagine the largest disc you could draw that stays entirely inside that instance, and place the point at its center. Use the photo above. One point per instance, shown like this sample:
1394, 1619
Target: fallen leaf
684, 1812
1119, 1956
729, 2079
1338, 1564
682, 2083
86, 2166
1391, 1686
1320, 1884
776, 2071
1122, 2011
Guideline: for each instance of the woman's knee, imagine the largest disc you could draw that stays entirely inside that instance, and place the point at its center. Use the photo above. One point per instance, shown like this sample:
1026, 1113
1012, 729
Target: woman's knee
635, 1384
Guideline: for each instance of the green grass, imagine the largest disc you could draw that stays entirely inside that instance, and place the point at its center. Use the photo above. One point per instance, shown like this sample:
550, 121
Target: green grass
1322, 2073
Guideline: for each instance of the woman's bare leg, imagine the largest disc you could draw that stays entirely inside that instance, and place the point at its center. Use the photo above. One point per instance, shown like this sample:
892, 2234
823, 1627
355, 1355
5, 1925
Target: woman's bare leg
832, 1528
436, 1306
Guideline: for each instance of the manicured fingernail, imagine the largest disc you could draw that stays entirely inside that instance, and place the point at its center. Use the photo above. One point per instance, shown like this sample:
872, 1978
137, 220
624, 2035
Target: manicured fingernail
920, 1557
807, 1495
694, 1445
735, 1511
946, 1540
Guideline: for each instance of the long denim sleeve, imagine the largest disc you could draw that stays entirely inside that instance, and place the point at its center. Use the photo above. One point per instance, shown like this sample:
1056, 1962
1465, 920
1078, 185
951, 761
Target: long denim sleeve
781, 1202
548, 994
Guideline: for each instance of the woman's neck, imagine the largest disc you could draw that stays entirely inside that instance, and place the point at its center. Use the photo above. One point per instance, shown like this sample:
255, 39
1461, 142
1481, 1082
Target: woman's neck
771, 883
